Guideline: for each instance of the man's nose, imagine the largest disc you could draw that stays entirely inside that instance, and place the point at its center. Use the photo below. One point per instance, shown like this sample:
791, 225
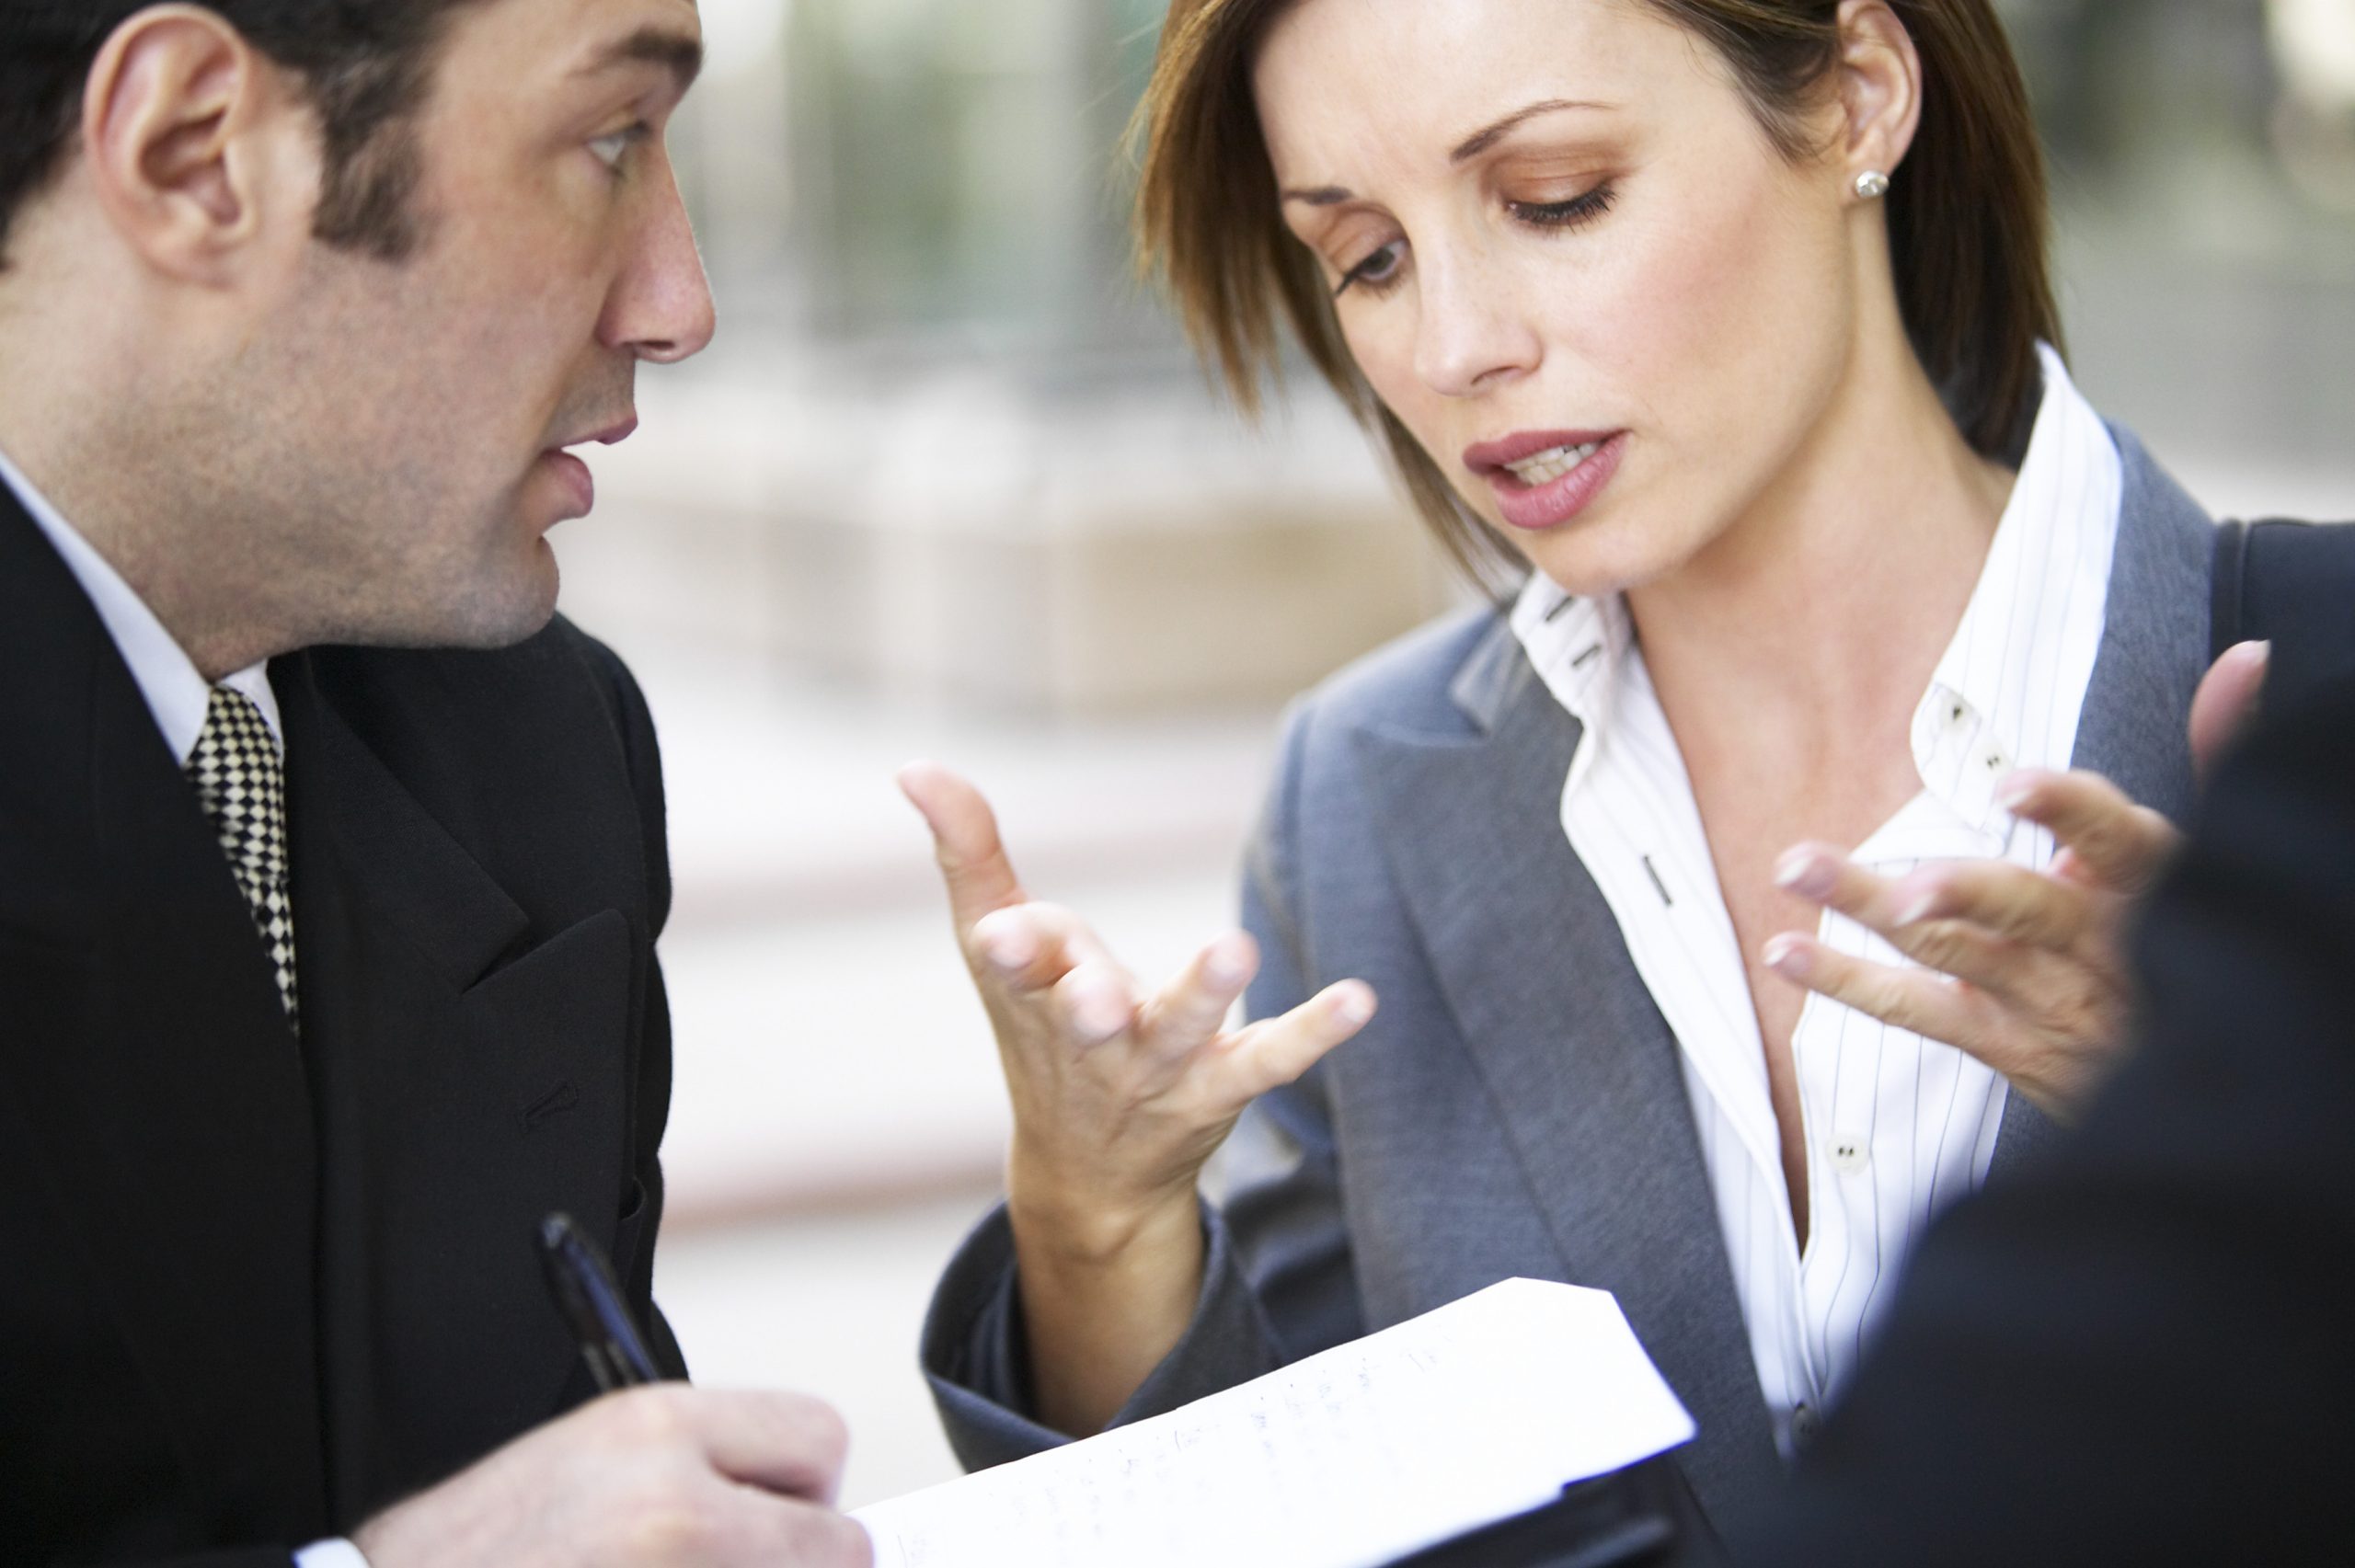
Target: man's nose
661, 307
1469, 336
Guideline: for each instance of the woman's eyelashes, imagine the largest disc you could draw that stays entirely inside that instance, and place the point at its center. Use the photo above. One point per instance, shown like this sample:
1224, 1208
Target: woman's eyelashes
1565, 214
1382, 267
1376, 273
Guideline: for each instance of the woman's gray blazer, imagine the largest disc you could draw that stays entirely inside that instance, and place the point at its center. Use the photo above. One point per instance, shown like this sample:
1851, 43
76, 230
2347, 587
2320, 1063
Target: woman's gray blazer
1516, 1106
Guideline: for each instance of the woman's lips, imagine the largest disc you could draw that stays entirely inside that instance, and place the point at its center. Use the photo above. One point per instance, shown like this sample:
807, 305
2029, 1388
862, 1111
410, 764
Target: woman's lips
1535, 508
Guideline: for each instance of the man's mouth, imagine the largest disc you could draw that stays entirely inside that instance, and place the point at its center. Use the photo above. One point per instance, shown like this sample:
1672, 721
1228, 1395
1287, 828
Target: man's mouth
613, 434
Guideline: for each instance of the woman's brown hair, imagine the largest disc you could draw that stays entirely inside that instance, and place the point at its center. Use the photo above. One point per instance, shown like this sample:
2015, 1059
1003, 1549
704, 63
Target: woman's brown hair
1967, 223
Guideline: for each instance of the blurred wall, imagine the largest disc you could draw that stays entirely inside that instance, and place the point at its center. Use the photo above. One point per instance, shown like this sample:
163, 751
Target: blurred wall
948, 444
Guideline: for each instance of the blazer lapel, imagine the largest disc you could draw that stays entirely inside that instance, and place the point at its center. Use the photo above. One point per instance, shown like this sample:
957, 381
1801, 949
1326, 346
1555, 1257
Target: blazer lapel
470, 1080
2154, 652
2154, 640
1581, 1066
170, 1101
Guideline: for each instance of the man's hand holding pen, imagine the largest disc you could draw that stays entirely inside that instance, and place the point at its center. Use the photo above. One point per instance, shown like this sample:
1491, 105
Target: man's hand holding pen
654, 1474
662, 1476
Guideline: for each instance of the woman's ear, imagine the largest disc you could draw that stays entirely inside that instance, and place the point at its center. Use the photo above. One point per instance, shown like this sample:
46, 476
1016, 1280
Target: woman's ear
183, 122
1880, 87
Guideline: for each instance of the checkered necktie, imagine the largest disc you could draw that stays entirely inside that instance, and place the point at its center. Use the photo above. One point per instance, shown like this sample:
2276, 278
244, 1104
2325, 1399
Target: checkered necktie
238, 779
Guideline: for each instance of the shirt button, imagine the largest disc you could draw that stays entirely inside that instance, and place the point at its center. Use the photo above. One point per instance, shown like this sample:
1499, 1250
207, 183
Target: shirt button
1805, 1425
1958, 714
1849, 1155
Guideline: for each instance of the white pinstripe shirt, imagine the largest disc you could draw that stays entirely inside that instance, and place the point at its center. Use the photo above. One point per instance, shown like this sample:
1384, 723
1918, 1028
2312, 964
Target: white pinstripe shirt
1897, 1126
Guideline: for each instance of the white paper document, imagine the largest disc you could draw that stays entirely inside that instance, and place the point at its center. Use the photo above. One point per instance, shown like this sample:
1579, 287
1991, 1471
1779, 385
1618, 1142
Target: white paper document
1483, 1409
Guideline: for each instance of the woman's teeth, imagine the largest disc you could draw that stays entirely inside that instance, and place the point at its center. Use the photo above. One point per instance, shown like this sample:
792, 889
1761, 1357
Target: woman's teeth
1552, 463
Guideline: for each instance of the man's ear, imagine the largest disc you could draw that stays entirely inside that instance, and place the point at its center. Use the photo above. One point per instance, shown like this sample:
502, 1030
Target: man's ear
1880, 87
183, 126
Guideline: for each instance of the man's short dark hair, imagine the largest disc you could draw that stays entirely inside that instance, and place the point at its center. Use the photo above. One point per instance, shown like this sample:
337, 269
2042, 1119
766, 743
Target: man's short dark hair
367, 64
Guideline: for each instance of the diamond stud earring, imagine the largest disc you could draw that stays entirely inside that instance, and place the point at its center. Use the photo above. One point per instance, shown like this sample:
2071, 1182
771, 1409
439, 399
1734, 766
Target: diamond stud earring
1872, 185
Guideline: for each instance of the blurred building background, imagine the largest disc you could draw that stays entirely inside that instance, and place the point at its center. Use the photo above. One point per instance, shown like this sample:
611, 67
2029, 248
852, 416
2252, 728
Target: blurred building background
948, 486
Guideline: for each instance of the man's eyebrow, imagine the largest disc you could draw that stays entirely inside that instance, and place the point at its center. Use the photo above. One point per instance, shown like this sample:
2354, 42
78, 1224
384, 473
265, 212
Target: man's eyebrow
1480, 142
677, 52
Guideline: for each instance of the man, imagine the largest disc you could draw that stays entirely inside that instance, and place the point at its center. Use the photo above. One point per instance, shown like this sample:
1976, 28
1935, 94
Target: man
2139, 1351
326, 967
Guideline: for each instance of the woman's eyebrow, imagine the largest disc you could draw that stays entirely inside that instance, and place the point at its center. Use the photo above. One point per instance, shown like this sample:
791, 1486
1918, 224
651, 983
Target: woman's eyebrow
1471, 146
1481, 141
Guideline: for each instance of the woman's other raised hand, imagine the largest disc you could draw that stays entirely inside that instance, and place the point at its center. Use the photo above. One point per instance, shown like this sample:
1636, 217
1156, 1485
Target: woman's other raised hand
2025, 970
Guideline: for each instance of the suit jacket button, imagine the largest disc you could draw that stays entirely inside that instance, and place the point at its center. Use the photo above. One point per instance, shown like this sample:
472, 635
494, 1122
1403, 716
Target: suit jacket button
1805, 1425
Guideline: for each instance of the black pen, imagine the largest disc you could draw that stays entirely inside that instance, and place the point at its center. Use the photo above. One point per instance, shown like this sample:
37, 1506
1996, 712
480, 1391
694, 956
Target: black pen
581, 1281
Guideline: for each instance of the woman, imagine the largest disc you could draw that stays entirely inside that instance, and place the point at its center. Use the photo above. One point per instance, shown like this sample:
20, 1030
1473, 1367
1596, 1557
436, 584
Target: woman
1727, 323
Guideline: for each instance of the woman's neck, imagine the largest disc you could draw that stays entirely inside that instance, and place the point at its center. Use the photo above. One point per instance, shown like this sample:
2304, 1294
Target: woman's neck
1832, 599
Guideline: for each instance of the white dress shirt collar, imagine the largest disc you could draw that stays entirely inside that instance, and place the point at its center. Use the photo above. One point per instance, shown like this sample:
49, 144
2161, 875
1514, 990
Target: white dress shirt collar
1992, 704
177, 693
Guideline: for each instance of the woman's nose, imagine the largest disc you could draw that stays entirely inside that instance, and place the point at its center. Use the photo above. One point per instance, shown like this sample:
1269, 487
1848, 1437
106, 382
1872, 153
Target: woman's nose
1471, 337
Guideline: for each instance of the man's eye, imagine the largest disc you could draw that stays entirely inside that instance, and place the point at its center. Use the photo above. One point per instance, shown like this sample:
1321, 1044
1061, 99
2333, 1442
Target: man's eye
612, 149
1376, 272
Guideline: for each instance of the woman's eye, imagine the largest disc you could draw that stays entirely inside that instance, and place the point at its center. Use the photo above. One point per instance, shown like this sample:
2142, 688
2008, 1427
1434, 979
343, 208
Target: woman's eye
1376, 272
1565, 214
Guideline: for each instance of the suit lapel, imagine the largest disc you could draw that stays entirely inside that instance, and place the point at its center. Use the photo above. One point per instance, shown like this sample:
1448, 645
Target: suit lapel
2153, 643
470, 1079
2154, 651
171, 1106
1581, 1066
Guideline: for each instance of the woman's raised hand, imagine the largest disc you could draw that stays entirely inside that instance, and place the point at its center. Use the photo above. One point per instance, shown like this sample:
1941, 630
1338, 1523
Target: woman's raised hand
2025, 970
1119, 1095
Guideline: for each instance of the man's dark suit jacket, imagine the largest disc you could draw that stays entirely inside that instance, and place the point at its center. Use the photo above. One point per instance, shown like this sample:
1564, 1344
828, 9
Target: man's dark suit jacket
2144, 1350
253, 1290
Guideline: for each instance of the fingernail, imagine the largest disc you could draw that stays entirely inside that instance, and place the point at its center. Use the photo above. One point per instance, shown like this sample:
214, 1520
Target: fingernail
1353, 1009
2013, 791
1917, 908
1808, 873
1786, 955
1225, 966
